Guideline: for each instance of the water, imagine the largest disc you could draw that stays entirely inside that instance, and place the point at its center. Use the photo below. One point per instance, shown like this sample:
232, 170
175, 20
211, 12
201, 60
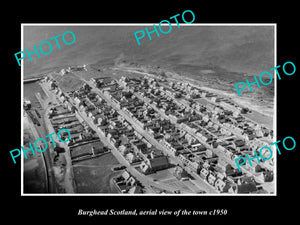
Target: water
246, 49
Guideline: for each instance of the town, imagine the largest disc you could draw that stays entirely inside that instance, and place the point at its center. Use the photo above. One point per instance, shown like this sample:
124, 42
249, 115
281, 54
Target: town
153, 125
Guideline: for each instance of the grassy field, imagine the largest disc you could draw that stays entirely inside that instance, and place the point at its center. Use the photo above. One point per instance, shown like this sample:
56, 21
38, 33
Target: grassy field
163, 174
93, 176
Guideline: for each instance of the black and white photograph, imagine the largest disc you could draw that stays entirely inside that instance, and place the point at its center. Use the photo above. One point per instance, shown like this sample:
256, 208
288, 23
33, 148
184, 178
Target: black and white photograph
162, 117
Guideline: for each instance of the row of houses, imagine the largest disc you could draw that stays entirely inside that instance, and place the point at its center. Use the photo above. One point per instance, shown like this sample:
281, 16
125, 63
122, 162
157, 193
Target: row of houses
224, 104
119, 133
127, 184
207, 131
84, 143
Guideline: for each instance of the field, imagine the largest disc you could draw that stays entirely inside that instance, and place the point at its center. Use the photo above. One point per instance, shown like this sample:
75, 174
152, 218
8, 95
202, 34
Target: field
93, 176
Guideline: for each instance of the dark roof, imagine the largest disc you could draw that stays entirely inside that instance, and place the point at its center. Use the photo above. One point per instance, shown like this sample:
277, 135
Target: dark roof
246, 188
159, 161
59, 149
246, 179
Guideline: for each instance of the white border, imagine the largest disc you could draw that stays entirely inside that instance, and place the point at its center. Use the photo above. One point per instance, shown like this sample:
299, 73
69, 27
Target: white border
151, 24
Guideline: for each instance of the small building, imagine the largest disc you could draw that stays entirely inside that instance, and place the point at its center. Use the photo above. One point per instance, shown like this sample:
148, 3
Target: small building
223, 185
180, 173
210, 153
246, 188
211, 179
27, 104
130, 157
268, 176
227, 168
154, 164
204, 173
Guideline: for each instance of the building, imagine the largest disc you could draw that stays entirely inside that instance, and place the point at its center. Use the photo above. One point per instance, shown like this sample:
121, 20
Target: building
131, 157
180, 173
154, 164
204, 173
226, 168
246, 188
27, 104
222, 186
211, 179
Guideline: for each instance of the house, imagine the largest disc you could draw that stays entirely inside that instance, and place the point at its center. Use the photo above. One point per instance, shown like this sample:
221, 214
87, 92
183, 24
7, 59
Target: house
131, 157
221, 147
249, 137
183, 158
125, 175
220, 184
198, 147
154, 164
130, 181
211, 179
210, 153
124, 149
243, 148
204, 173
98, 148
155, 153
225, 186
190, 139
140, 146
180, 173
268, 176
159, 163
59, 150
255, 168
145, 167
227, 168
228, 153
239, 143
215, 99
206, 165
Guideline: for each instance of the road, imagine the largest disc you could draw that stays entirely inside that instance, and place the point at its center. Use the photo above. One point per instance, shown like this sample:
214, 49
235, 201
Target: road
68, 176
42, 132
